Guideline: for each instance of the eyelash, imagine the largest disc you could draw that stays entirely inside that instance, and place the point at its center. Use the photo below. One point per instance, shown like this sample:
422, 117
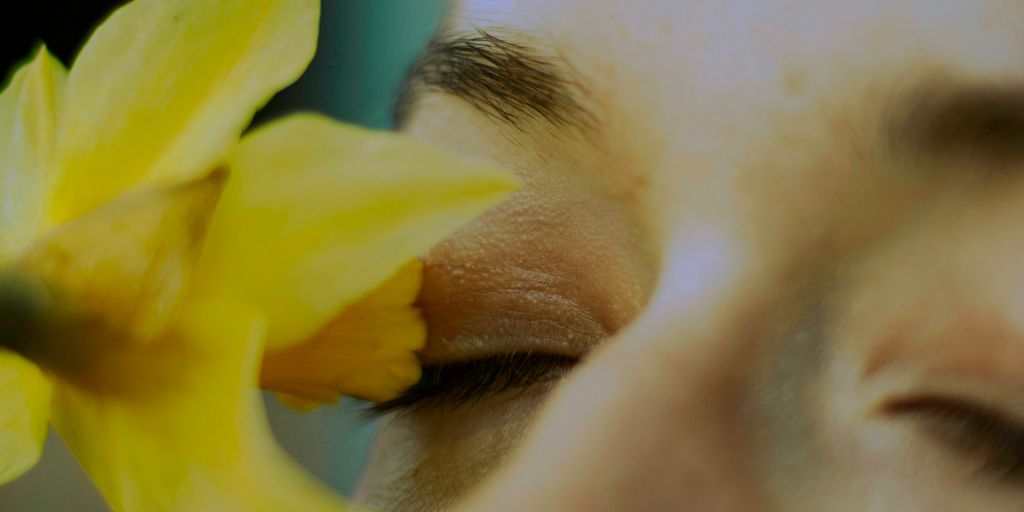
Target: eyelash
989, 437
468, 382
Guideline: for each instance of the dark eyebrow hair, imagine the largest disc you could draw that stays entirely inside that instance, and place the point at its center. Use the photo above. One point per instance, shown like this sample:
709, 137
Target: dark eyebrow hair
505, 80
942, 120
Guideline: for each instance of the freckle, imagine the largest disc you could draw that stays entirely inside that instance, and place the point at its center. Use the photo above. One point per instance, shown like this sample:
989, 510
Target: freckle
794, 82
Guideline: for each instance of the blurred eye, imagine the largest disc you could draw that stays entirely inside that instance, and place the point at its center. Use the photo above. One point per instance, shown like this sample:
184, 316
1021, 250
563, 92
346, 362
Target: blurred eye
990, 439
467, 382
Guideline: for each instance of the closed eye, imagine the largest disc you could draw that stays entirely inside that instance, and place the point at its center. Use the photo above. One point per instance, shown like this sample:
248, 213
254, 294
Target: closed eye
988, 438
983, 123
467, 382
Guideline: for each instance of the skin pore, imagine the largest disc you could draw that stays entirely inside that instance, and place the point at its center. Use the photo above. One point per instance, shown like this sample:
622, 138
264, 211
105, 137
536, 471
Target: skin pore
782, 236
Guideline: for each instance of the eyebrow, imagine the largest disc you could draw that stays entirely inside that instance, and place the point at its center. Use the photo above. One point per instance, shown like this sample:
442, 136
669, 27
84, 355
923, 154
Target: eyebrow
507, 81
981, 123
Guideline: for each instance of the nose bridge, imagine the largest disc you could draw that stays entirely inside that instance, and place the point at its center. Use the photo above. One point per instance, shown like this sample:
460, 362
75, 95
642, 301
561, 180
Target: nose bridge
689, 355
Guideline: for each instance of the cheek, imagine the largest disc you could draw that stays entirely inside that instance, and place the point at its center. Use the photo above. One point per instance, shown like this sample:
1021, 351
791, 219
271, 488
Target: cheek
426, 459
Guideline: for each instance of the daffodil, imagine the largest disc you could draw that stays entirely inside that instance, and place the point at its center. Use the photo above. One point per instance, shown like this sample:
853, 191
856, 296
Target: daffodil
154, 268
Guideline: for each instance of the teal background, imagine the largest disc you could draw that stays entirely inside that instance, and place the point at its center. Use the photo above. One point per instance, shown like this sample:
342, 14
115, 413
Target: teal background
365, 48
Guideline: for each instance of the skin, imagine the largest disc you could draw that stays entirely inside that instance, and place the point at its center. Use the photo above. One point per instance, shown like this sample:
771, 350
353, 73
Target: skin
789, 268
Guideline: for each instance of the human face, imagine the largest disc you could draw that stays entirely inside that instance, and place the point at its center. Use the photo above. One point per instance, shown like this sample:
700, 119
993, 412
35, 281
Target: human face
783, 237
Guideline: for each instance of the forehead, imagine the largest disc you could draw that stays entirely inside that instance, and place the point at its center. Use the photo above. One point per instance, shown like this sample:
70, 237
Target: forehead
707, 83
949, 26
693, 52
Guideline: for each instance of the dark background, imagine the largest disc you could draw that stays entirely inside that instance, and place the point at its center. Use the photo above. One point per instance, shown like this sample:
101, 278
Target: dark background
364, 49
64, 27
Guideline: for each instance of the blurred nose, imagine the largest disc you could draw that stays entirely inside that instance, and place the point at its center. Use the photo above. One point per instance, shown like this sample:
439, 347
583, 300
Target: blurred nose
654, 419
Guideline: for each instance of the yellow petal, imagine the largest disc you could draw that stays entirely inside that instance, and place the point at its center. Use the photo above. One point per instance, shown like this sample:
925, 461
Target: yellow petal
199, 443
113, 277
297, 403
24, 413
163, 88
368, 351
28, 111
317, 214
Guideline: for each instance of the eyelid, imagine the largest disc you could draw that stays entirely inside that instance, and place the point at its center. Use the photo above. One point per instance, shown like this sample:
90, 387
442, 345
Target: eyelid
466, 382
474, 310
991, 438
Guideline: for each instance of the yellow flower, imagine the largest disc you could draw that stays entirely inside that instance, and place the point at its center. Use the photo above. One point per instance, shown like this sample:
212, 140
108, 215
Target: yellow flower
148, 259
